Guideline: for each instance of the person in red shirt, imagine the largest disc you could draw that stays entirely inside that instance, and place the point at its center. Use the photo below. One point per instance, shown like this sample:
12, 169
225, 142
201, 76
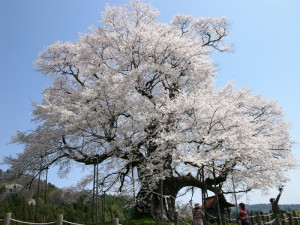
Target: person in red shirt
243, 219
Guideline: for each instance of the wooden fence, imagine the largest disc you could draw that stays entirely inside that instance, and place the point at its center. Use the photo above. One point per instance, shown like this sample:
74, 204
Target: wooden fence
289, 218
60, 221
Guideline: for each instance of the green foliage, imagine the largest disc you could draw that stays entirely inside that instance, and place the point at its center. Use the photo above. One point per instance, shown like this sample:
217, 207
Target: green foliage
17, 205
2, 189
79, 211
75, 206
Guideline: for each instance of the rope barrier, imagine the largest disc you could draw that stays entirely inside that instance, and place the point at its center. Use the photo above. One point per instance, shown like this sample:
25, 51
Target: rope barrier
213, 217
271, 222
267, 214
284, 219
253, 216
181, 219
19, 221
72, 223
164, 196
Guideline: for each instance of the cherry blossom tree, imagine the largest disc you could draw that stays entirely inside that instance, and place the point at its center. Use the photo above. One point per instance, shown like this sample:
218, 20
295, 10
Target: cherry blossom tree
138, 98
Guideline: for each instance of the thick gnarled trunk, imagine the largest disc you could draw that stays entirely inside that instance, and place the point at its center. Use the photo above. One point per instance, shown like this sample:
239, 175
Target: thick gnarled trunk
149, 203
156, 204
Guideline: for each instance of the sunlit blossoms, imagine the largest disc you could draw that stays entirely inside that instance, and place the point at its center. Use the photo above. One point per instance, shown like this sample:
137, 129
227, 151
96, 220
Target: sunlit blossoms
138, 98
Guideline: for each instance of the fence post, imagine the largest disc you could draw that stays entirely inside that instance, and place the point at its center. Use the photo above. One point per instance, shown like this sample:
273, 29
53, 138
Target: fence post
7, 217
223, 219
258, 218
277, 219
283, 221
290, 219
116, 221
296, 221
251, 219
263, 217
60, 219
176, 218
269, 218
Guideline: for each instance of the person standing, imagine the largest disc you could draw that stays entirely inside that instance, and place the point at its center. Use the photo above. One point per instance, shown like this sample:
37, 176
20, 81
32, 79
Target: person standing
275, 207
243, 219
274, 202
197, 215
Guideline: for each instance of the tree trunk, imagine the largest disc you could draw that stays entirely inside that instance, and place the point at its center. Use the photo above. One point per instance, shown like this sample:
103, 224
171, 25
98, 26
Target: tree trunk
149, 202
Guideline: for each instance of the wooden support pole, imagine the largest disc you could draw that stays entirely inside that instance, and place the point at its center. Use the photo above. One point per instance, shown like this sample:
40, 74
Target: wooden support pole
277, 219
263, 218
291, 222
258, 218
116, 221
223, 219
296, 220
251, 219
283, 222
60, 219
270, 217
7, 218
176, 218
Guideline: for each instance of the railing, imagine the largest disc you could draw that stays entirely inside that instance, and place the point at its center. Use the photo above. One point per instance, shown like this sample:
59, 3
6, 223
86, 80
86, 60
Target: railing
262, 219
289, 218
7, 219
258, 219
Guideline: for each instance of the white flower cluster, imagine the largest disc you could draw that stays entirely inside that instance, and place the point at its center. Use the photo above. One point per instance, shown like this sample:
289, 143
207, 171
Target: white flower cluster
139, 95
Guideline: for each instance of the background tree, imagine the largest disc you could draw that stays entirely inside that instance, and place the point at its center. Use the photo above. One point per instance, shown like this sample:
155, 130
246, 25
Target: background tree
75, 205
138, 98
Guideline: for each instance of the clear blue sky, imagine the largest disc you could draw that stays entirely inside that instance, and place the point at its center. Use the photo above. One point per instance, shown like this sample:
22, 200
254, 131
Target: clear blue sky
264, 33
